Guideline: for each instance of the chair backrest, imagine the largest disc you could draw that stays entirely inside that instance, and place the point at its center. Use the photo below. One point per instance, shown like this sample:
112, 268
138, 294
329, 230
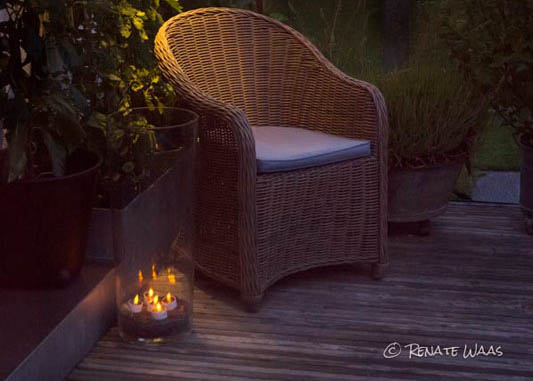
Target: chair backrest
244, 59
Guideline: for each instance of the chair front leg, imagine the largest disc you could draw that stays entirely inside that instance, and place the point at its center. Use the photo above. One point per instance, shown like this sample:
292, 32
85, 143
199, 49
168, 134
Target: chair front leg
252, 303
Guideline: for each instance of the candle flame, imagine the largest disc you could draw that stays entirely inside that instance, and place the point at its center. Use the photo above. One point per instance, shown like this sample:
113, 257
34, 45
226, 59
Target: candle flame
168, 270
156, 299
158, 307
154, 275
150, 292
169, 297
136, 299
171, 278
140, 276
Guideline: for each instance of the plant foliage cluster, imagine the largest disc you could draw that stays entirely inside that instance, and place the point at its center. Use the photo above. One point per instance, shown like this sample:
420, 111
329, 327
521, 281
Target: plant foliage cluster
492, 42
65, 65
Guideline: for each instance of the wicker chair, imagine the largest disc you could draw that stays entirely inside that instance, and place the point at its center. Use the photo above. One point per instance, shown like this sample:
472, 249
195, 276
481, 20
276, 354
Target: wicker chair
240, 69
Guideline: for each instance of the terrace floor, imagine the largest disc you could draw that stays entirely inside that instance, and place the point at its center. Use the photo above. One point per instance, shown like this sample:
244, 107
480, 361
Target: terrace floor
470, 281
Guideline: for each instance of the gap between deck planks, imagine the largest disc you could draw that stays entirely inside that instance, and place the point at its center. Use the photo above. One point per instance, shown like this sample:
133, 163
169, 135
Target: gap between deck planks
470, 281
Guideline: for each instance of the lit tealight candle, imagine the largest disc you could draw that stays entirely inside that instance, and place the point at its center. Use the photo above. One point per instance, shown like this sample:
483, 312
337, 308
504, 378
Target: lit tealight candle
159, 312
153, 303
134, 305
172, 278
170, 302
149, 296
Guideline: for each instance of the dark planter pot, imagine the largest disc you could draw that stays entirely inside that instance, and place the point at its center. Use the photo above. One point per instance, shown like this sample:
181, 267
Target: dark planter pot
526, 185
44, 225
149, 222
114, 230
416, 195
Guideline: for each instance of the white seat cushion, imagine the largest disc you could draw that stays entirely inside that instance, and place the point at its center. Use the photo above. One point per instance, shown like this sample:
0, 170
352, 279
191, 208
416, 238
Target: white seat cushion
286, 148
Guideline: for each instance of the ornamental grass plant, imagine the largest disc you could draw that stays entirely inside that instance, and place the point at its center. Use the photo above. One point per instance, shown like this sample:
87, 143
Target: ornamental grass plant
434, 117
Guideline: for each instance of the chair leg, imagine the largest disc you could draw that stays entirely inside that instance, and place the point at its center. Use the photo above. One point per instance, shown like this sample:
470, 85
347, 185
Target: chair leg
379, 270
252, 303
529, 225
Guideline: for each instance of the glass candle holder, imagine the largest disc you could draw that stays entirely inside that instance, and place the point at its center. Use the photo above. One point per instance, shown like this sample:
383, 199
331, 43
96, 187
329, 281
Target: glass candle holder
167, 313
152, 231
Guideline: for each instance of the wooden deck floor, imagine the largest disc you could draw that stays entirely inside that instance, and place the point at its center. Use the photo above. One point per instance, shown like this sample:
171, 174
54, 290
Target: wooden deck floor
470, 282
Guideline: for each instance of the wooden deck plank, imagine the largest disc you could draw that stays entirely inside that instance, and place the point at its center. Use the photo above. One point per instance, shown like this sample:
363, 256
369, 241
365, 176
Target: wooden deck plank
470, 281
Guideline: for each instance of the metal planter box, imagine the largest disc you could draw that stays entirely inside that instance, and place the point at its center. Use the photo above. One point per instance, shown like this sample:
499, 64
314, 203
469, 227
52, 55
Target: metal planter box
151, 221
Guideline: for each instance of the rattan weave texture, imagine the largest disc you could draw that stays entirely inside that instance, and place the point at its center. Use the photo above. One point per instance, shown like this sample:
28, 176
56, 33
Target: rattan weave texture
239, 69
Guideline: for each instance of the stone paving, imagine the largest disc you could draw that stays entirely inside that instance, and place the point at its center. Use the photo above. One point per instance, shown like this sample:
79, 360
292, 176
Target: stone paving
501, 187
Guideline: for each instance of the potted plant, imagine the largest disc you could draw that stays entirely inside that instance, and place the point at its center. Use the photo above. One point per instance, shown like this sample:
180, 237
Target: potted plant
47, 178
434, 118
129, 122
494, 51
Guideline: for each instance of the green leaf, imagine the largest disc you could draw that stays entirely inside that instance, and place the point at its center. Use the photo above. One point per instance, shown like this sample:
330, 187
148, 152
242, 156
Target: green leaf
143, 35
114, 77
119, 134
57, 153
174, 4
54, 59
97, 120
17, 151
125, 30
138, 23
127, 10
152, 14
69, 54
65, 120
137, 86
80, 101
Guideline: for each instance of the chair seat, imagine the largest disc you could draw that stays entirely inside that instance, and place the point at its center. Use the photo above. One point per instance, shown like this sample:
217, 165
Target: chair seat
280, 149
